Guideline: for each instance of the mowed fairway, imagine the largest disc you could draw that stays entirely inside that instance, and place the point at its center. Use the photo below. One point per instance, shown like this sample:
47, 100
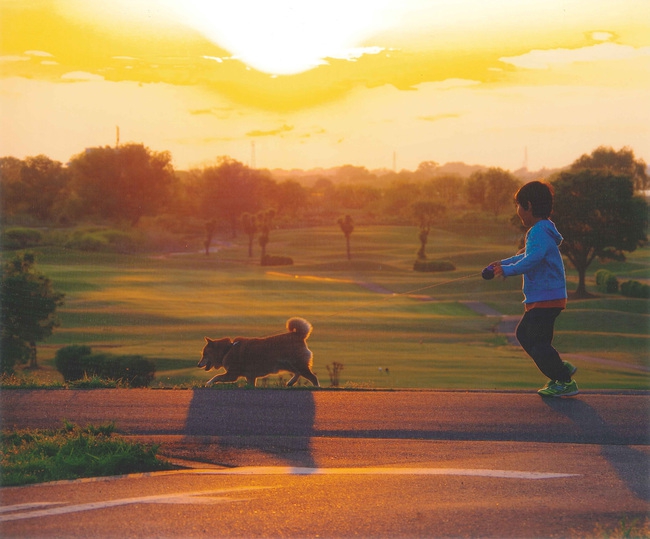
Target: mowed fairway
388, 326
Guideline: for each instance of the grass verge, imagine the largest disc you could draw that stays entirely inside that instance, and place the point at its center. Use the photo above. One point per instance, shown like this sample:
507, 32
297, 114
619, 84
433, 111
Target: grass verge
72, 452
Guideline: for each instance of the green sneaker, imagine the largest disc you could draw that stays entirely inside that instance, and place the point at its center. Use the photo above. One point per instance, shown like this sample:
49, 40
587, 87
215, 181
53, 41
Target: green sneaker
559, 389
572, 368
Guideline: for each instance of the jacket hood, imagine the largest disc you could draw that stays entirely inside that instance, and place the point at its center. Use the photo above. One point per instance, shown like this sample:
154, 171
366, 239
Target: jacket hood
549, 227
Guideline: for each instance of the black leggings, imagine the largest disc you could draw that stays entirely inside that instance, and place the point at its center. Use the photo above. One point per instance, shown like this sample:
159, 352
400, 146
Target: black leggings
535, 334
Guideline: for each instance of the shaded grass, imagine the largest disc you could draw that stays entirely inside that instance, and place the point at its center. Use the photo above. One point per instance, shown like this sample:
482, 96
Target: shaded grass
162, 308
72, 452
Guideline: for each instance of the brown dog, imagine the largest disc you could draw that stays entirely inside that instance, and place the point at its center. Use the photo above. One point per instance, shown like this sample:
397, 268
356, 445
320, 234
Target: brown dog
255, 358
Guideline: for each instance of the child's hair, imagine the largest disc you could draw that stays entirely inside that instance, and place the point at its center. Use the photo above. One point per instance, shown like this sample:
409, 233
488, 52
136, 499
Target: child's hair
540, 197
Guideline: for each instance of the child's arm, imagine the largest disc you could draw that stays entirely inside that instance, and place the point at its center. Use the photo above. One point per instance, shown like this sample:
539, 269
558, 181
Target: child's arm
534, 253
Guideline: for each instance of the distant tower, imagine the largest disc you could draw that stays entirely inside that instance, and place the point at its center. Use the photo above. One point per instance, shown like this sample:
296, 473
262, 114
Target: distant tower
253, 154
117, 136
525, 165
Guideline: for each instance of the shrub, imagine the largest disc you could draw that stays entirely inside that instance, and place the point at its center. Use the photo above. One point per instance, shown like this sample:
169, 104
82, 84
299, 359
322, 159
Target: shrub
433, 265
70, 361
87, 242
78, 363
21, 238
635, 289
270, 260
606, 281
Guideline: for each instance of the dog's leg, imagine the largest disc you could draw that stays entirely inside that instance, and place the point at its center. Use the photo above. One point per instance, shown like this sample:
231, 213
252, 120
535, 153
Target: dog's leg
226, 377
306, 372
293, 380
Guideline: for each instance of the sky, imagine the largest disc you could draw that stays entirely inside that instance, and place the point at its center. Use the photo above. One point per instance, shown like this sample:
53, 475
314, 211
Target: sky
308, 83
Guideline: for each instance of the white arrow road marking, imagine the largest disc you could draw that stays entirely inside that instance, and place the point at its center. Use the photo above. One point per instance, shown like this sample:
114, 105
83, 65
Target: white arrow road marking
291, 470
201, 496
43, 509
23, 506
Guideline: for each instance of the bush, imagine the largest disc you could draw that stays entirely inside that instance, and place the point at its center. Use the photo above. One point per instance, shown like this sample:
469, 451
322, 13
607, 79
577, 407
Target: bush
433, 265
606, 281
21, 238
70, 361
78, 362
87, 242
270, 260
635, 289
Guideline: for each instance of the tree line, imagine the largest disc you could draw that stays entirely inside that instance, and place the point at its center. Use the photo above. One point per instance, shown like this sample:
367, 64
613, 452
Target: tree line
124, 184
598, 209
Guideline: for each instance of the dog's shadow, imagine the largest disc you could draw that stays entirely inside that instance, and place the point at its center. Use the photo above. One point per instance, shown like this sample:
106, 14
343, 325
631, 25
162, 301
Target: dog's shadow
246, 427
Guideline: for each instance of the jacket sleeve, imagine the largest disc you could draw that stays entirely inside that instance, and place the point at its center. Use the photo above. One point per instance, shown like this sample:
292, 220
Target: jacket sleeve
535, 251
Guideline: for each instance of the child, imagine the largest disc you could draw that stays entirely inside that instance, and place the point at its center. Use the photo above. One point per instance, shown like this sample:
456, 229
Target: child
544, 287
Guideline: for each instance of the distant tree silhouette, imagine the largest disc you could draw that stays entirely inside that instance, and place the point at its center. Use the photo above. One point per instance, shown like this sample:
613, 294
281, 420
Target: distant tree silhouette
231, 189
347, 226
265, 220
492, 189
210, 229
623, 162
425, 212
123, 183
35, 186
249, 224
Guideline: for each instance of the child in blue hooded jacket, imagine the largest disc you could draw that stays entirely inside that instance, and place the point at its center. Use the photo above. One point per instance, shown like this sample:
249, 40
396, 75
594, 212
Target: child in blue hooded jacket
544, 287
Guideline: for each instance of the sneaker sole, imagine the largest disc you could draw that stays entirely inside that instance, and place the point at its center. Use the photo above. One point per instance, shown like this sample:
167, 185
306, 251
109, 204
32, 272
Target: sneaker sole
572, 394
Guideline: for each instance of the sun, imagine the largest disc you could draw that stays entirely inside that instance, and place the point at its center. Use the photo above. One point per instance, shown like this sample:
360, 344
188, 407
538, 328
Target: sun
279, 37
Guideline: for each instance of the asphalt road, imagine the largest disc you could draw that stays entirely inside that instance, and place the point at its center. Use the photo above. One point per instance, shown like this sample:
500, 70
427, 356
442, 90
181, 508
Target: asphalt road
300, 463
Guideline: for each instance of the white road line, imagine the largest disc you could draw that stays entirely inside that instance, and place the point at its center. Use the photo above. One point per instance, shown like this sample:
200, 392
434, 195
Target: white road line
201, 496
43, 509
292, 470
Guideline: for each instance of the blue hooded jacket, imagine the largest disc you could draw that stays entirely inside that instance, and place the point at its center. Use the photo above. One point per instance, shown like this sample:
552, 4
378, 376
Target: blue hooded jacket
541, 264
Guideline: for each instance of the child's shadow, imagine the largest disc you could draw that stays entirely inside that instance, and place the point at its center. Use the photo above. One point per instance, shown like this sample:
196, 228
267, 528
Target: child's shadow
630, 464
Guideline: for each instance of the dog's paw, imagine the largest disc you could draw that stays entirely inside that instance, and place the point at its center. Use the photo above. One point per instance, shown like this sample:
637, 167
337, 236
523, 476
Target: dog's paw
209, 384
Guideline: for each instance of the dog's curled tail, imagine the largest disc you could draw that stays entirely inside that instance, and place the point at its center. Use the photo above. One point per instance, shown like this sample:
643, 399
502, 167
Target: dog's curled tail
299, 326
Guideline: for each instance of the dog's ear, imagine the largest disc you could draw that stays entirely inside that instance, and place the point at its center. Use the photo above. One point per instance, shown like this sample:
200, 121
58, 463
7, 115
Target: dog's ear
208, 340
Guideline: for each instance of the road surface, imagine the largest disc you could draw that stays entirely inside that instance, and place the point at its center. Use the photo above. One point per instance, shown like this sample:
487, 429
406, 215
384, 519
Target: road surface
299, 463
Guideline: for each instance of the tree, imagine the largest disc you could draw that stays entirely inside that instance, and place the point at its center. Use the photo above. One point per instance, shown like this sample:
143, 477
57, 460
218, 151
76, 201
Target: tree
492, 189
617, 162
232, 189
249, 224
123, 183
27, 306
425, 212
347, 227
34, 187
265, 220
210, 229
598, 215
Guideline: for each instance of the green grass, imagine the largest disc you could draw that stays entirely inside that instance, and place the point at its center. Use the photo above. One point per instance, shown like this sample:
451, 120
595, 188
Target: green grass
162, 307
72, 452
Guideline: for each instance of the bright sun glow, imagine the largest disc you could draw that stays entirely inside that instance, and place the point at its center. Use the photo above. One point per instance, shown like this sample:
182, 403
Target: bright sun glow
320, 83
282, 37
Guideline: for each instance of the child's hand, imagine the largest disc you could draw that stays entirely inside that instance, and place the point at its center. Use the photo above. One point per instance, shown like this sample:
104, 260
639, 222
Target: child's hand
498, 270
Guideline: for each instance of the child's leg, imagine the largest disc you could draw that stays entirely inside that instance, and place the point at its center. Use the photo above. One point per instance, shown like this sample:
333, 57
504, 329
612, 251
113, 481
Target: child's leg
535, 334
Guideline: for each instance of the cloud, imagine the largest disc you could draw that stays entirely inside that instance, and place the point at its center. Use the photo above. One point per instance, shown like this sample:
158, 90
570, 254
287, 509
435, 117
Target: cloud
81, 76
437, 117
13, 58
353, 54
544, 59
257, 133
39, 53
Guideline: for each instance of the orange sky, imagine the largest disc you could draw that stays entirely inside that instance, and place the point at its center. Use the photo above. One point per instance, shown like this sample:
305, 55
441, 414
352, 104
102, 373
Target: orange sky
319, 84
